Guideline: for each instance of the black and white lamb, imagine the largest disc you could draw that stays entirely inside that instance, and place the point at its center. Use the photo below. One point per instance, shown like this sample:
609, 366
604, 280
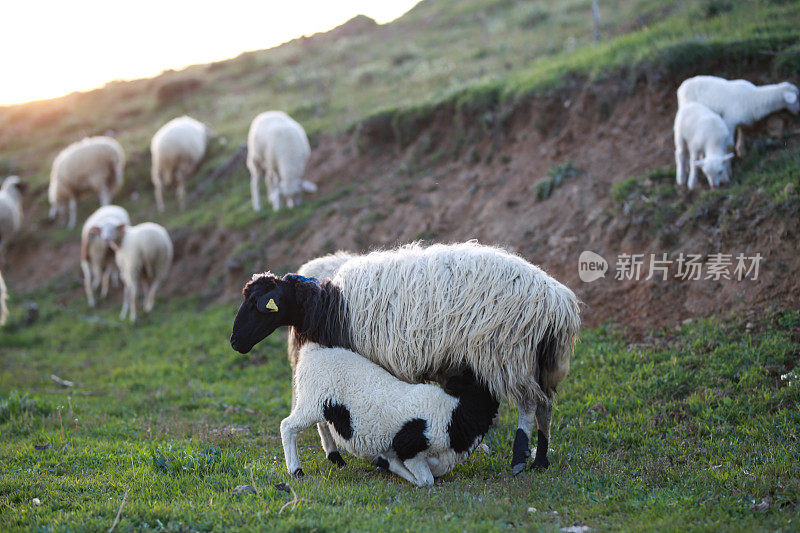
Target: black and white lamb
425, 313
416, 431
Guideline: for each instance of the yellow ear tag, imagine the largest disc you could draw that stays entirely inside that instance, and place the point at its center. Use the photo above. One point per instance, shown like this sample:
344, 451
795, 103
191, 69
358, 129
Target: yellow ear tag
271, 306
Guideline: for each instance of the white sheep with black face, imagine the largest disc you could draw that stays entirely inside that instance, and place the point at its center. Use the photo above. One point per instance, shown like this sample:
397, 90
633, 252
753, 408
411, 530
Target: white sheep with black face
702, 141
92, 165
739, 102
427, 313
177, 149
97, 257
416, 431
278, 149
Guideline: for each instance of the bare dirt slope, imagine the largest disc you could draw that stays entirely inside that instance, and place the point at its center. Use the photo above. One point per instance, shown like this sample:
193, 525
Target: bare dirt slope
473, 176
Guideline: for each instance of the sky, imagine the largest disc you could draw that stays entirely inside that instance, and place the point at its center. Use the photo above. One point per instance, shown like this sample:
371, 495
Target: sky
50, 48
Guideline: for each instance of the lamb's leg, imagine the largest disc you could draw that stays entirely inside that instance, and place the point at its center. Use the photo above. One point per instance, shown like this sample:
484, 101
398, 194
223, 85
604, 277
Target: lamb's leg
181, 193
395, 466
125, 301
73, 212
87, 282
132, 289
544, 414
329, 445
254, 177
104, 196
739, 146
159, 196
680, 164
273, 189
151, 295
522, 438
106, 278
692, 171
291, 426
418, 466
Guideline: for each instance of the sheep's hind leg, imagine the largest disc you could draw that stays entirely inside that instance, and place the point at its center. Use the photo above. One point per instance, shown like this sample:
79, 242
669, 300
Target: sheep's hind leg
521, 449
544, 415
329, 445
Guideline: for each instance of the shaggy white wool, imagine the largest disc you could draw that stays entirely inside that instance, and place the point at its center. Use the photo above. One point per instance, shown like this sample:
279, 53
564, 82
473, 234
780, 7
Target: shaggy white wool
177, 149
420, 311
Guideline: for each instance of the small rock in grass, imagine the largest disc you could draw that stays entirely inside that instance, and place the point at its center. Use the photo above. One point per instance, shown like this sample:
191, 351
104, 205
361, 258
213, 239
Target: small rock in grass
243, 489
763, 507
36, 501
576, 529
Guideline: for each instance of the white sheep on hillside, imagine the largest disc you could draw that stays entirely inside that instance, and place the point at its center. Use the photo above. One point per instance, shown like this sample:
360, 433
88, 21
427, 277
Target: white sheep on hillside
10, 209
143, 255
97, 257
416, 431
426, 313
278, 149
702, 140
92, 165
3, 298
177, 149
738, 102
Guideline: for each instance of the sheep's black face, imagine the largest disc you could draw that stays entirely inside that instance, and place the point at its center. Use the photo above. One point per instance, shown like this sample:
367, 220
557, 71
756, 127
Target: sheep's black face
266, 306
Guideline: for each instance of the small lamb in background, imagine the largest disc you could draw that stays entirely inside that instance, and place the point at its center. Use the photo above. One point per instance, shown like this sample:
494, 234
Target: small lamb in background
416, 431
278, 148
702, 137
97, 257
94, 164
10, 209
143, 255
738, 102
177, 149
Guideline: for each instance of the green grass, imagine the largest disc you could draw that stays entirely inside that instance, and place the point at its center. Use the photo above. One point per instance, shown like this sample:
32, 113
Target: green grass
765, 183
690, 429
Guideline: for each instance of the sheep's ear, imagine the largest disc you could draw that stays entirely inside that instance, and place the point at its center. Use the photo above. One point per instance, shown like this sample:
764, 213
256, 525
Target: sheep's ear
727, 157
94, 230
265, 304
789, 97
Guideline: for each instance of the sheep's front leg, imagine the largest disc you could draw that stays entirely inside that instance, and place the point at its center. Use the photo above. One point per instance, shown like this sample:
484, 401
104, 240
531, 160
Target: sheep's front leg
329, 445
181, 194
739, 147
73, 212
105, 281
132, 289
692, 171
521, 449
291, 426
87, 282
157, 187
254, 177
680, 166
544, 415
125, 302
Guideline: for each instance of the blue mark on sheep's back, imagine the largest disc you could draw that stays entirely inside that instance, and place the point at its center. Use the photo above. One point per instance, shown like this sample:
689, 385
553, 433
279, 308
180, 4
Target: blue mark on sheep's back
411, 439
339, 417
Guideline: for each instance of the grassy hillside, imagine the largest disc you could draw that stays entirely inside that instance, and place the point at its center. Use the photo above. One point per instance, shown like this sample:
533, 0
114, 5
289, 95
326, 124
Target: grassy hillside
693, 426
674, 429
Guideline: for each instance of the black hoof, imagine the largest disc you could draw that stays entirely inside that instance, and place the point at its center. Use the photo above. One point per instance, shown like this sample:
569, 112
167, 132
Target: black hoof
517, 469
540, 463
298, 473
336, 458
380, 463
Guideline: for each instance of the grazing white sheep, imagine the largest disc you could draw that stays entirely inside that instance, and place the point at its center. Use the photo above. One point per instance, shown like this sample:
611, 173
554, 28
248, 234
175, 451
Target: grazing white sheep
143, 255
738, 102
177, 149
702, 140
10, 209
3, 298
320, 268
417, 431
97, 256
92, 165
278, 149
425, 313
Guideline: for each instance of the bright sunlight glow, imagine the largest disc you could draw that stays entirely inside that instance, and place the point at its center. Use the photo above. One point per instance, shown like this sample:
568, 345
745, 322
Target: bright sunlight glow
51, 47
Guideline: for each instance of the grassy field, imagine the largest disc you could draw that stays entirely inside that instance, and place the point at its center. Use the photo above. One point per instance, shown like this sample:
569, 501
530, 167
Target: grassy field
694, 428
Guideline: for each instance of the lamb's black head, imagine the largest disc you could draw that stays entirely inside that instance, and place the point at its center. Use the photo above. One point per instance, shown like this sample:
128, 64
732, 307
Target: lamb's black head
269, 303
